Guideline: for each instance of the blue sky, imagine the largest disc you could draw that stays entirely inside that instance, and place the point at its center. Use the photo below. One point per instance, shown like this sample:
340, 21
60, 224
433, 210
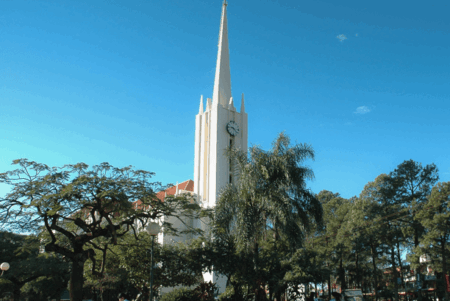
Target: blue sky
366, 84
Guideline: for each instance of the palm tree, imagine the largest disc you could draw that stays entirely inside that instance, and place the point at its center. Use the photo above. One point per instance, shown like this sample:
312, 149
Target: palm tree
270, 196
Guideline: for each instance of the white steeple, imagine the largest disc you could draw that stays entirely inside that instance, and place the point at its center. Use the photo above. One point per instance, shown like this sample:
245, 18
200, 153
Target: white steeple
200, 110
217, 128
222, 81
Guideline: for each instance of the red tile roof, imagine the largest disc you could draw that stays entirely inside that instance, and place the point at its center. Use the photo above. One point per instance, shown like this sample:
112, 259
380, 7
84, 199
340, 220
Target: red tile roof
184, 186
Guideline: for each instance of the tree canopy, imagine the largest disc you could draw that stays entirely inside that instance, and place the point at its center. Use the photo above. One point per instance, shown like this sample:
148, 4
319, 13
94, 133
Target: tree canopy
77, 210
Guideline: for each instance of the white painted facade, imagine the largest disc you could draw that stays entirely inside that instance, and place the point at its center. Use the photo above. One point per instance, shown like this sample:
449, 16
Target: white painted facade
217, 127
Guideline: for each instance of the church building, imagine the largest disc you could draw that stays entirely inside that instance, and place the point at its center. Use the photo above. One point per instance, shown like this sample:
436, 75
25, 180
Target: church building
217, 126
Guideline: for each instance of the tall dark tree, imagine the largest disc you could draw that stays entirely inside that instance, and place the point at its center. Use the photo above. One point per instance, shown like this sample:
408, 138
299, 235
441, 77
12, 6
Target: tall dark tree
337, 210
435, 218
78, 209
411, 185
330, 202
385, 213
357, 241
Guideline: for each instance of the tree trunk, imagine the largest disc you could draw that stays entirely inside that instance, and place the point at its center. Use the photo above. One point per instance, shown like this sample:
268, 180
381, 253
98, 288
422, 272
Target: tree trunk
394, 272
329, 276
374, 264
358, 278
329, 286
417, 271
278, 296
444, 267
256, 266
400, 263
76, 279
342, 275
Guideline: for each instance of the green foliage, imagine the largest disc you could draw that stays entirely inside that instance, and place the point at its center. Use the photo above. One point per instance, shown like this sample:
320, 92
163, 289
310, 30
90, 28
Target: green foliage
130, 261
30, 268
268, 229
434, 216
271, 191
360, 238
48, 286
230, 294
335, 247
203, 292
85, 210
410, 185
178, 294
270, 199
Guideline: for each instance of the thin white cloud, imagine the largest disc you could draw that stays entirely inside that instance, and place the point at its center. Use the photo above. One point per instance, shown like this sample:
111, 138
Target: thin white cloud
341, 37
362, 110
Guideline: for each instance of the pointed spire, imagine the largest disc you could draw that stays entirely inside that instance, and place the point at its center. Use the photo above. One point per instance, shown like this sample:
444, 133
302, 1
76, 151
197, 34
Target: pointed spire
208, 104
222, 81
200, 111
242, 104
231, 105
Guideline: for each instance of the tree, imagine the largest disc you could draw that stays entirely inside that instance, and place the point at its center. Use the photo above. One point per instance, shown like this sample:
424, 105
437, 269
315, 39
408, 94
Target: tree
269, 195
384, 212
330, 203
411, 185
28, 265
174, 264
221, 254
336, 211
78, 210
356, 243
369, 229
435, 218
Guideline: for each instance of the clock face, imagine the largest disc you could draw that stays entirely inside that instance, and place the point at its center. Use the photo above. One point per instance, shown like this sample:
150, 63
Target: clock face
232, 128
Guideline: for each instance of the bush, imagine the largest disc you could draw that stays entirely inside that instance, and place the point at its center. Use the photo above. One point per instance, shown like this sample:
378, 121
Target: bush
178, 294
203, 292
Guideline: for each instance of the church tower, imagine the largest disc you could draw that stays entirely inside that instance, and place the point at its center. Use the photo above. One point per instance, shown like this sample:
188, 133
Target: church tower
217, 127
